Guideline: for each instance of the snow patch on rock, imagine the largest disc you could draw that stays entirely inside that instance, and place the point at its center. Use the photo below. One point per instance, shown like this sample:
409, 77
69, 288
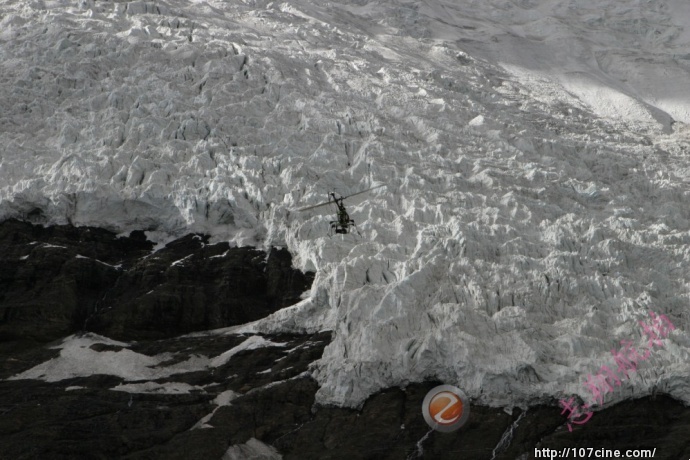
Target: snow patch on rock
80, 357
251, 450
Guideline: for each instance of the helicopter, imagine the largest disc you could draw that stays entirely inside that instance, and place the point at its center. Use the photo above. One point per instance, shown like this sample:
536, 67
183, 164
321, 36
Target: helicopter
343, 223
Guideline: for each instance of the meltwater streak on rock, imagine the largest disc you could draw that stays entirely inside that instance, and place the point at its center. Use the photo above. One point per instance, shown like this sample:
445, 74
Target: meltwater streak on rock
508, 256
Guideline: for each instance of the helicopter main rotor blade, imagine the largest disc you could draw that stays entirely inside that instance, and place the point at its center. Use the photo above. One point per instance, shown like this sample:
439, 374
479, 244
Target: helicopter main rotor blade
331, 201
315, 206
364, 191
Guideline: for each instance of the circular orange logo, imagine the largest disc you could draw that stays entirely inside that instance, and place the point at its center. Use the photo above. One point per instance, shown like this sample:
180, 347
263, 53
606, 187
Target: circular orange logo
445, 408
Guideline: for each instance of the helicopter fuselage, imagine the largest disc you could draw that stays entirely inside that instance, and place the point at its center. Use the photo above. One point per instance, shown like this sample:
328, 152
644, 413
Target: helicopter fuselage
342, 225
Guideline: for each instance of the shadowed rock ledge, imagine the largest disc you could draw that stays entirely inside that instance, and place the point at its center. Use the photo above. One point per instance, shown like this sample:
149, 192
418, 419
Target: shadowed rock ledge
58, 280
46, 421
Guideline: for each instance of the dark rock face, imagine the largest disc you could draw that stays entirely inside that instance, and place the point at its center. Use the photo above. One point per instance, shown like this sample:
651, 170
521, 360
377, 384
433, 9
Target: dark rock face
51, 278
85, 418
59, 280
45, 421
390, 426
191, 286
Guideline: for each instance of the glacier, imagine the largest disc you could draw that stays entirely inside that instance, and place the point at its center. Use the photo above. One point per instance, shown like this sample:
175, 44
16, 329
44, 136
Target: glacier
534, 152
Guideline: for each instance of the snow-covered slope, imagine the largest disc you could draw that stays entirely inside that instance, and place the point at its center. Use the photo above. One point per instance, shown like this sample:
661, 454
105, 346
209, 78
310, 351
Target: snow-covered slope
534, 152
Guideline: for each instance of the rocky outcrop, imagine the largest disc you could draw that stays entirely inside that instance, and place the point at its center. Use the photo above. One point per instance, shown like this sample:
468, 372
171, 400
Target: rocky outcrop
45, 421
390, 426
51, 278
103, 416
190, 286
58, 280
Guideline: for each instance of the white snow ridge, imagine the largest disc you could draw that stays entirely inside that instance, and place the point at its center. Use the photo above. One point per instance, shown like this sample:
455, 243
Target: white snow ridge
535, 155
